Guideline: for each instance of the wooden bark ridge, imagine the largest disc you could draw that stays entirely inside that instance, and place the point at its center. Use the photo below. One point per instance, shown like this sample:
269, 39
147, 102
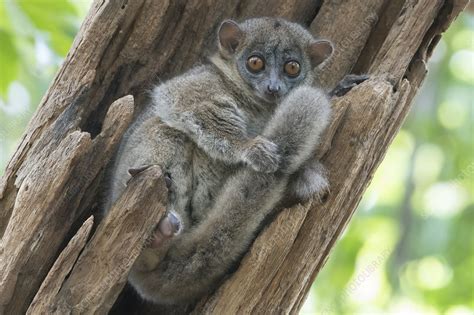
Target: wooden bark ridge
53, 259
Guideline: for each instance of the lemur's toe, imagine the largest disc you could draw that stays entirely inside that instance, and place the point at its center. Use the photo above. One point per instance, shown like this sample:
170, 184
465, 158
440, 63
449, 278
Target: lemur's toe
168, 180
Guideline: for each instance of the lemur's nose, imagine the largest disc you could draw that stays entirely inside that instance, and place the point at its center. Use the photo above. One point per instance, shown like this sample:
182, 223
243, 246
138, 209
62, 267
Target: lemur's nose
273, 88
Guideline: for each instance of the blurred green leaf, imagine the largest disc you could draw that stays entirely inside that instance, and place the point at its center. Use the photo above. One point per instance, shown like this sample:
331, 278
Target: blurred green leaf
56, 18
4, 22
9, 63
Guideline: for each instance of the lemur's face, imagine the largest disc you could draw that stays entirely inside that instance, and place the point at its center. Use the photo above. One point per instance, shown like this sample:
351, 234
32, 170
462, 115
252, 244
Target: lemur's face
272, 56
271, 69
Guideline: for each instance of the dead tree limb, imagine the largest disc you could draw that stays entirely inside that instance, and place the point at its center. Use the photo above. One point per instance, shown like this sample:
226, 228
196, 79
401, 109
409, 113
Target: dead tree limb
101, 271
50, 185
51, 286
48, 198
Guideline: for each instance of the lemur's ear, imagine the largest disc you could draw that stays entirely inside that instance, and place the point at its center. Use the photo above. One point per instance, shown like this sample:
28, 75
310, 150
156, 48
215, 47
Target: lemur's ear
230, 35
319, 51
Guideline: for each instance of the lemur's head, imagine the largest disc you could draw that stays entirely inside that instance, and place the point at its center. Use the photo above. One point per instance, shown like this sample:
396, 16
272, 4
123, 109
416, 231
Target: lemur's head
271, 56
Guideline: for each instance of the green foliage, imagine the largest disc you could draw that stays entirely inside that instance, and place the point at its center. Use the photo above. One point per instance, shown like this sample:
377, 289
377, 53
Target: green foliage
35, 35
408, 249
57, 18
9, 63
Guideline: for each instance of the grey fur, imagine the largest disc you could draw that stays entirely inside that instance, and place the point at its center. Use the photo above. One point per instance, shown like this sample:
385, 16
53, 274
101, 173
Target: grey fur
231, 152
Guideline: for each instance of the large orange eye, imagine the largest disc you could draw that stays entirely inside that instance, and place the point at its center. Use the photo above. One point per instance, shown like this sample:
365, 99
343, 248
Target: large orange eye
255, 64
292, 68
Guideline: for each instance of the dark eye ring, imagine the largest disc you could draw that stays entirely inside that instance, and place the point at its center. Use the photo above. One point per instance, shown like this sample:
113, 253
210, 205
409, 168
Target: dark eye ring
292, 68
255, 64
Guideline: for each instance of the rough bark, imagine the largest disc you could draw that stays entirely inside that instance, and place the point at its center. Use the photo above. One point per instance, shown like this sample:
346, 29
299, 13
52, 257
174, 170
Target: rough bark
50, 185
51, 285
48, 197
98, 276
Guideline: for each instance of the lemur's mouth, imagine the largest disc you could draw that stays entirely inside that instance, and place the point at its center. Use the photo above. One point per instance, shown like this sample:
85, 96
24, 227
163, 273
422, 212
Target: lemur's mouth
271, 97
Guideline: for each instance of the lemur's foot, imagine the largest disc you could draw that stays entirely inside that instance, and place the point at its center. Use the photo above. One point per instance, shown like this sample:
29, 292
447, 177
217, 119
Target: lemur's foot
310, 181
169, 226
262, 155
346, 84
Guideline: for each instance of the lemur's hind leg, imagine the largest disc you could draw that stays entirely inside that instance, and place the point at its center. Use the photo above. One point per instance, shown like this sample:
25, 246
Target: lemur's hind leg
171, 150
311, 179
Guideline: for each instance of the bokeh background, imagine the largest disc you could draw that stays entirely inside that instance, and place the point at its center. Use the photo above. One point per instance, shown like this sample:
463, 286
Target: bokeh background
409, 248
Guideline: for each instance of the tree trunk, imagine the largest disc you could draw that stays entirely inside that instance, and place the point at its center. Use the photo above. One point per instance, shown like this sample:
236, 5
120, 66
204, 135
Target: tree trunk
52, 183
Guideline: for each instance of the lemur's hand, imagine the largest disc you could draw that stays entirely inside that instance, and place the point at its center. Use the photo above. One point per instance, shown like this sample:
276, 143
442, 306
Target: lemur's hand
262, 155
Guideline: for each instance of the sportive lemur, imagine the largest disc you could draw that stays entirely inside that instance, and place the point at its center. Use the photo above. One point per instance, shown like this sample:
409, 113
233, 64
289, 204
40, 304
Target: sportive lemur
230, 134
235, 136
